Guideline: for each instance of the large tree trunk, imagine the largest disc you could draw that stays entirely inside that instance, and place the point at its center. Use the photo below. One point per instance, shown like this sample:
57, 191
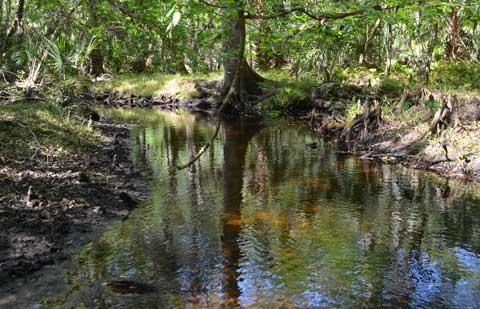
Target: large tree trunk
239, 80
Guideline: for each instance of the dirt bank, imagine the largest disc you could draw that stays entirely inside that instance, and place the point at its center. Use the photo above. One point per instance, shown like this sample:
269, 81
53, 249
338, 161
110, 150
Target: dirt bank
51, 206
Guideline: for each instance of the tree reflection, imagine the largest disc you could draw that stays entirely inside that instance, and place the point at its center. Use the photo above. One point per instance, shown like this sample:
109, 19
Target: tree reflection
236, 140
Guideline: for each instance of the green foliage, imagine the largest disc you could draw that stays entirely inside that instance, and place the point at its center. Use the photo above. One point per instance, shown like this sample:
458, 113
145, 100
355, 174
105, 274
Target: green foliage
407, 104
459, 75
384, 49
352, 111
390, 86
56, 133
432, 104
288, 92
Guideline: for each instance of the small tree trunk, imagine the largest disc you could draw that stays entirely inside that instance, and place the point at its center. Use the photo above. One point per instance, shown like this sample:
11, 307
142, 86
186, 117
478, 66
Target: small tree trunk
18, 18
365, 57
17, 22
96, 62
388, 49
454, 27
426, 61
96, 56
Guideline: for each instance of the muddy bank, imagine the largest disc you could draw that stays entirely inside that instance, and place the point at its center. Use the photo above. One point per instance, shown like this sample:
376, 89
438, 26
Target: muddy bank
199, 103
50, 207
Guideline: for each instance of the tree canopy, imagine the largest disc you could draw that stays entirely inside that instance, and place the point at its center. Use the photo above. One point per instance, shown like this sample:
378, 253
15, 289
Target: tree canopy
184, 36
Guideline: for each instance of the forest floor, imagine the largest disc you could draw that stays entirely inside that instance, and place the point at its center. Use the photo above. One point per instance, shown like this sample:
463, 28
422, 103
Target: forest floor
63, 179
402, 136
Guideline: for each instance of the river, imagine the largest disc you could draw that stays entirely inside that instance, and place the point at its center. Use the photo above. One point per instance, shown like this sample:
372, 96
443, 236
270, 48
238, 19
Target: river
264, 220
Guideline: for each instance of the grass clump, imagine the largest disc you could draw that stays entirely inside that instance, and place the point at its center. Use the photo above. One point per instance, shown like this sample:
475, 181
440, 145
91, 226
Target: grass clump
26, 127
155, 85
290, 92
391, 85
459, 75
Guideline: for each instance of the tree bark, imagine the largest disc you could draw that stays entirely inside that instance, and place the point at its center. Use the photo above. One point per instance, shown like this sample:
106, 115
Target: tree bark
454, 38
427, 58
239, 78
96, 62
12, 31
96, 56
18, 18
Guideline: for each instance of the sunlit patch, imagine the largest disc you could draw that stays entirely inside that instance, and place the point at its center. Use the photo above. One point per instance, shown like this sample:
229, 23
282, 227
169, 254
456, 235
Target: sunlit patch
152, 83
272, 219
232, 219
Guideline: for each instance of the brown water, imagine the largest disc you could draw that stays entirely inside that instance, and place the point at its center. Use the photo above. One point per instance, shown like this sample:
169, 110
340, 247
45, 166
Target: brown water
264, 221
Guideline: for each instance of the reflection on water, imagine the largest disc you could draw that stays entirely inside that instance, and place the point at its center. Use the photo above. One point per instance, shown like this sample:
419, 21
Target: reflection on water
262, 220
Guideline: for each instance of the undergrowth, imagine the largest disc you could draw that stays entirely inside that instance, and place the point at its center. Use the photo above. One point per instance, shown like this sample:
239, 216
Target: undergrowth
289, 91
456, 76
46, 127
295, 92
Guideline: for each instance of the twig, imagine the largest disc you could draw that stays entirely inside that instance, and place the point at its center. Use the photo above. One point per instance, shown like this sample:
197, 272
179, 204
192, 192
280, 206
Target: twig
34, 138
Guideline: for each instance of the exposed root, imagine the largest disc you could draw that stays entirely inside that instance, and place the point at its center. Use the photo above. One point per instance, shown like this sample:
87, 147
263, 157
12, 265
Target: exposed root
446, 115
362, 125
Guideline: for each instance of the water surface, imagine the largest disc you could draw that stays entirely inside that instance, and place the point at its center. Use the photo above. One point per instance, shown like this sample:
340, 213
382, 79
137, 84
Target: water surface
262, 220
